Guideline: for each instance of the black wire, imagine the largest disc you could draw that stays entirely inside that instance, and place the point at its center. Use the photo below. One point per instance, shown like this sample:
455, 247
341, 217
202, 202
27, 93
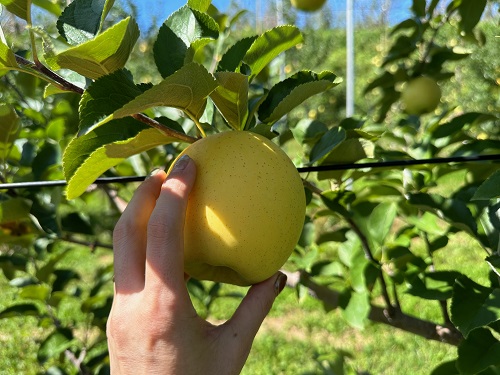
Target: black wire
319, 168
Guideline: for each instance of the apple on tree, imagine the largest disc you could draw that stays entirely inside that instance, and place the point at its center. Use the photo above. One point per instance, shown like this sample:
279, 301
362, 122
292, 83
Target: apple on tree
308, 5
421, 95
246, 210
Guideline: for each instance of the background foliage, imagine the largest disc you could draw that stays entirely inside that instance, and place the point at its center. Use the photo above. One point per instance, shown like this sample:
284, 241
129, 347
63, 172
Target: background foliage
414, 249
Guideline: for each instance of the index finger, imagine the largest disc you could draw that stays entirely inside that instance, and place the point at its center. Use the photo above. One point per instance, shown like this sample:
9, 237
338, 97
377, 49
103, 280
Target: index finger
129, 235
165, 238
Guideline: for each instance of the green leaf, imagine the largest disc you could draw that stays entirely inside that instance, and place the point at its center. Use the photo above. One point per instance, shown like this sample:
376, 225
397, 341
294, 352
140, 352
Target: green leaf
494, 263
23, 309
470, 14
478, 351
49, 6
7, 59
182, 34
54, 344
380, 221
187, 89
14, 209
331, 139
9, 129
38, 292
269, 45
102, 55
17, 7
418, 8
349, 151
489, 189
473, 305
308, 131
452, 210
110, 155
288, 94
357, 310
231, 98
82, 19
80, 148
201, 5
235, 54
104, 96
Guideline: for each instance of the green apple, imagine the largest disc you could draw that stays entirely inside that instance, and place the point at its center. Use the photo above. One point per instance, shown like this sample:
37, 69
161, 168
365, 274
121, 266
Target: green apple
308, 5
421, 95
246, 210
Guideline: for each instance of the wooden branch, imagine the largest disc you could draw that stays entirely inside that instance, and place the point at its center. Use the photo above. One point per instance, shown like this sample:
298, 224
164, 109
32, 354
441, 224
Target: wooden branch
446, 333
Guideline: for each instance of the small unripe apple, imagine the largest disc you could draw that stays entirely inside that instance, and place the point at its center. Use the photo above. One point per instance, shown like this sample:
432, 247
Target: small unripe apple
421, 95
308, 5
246, 210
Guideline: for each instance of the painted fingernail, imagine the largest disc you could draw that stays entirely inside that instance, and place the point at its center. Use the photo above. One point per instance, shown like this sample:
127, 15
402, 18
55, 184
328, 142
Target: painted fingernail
154, 172
280, 283
181, 163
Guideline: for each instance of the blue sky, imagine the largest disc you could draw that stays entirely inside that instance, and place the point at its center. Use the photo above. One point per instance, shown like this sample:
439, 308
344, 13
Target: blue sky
161, 9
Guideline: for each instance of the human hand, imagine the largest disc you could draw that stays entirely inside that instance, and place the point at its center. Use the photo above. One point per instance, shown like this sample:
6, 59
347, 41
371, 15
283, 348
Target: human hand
153, 327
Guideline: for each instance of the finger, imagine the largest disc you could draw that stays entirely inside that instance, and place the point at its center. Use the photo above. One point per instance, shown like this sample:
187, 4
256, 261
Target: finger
249, 316
129, 235
165, 238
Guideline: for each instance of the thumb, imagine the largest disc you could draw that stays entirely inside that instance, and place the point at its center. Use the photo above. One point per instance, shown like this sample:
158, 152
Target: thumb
249, 316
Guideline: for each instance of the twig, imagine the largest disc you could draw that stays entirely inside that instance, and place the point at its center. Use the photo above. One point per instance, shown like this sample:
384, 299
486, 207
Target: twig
398, 319
91, 245
65, 85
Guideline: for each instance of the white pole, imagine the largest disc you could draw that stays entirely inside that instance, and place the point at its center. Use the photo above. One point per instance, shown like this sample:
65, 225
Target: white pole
350, 58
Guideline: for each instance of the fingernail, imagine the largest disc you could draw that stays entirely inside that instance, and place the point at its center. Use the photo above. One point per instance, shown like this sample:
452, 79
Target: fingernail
181, 163
280, 283
154, 172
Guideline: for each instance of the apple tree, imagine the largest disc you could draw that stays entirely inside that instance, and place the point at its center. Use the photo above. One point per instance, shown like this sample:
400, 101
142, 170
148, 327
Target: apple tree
75, 124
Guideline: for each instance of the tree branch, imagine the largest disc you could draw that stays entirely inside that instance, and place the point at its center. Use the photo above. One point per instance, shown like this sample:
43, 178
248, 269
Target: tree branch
431, 331
65, 85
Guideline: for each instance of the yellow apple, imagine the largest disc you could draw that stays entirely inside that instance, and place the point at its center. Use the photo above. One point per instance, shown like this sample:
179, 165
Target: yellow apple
246, 210
308, 5
421, 95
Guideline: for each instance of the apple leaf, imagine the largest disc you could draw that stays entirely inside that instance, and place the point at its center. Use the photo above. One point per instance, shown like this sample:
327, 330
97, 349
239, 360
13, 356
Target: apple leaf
269, 45
14, 209
80, 148
470, 14
489, 188
9, 129
7, 59
231, 98
357, 309
235, 54
104, 96
182, 34
23, 309
49, 6
187, 89
381, 220
480, 350
452, 210
331, 139
109, 155
473, 305
201, 5
100, 56
82, 19
288, 94
55, 344
17, 7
